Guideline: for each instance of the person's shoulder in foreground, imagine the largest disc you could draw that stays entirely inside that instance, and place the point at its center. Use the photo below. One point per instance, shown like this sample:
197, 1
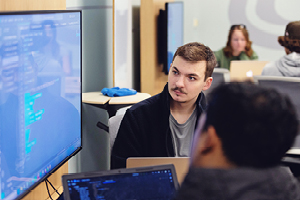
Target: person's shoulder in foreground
239, 144
145, 129
288, 65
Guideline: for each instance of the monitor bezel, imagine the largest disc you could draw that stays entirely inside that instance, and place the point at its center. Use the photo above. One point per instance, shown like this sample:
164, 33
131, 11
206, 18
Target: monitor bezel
162, 35
54, 169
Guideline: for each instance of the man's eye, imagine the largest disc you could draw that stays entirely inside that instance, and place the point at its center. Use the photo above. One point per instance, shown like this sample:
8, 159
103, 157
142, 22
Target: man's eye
192, 78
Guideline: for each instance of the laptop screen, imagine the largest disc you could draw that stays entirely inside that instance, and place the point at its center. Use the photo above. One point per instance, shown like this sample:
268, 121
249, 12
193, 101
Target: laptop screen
133, 183
241, 70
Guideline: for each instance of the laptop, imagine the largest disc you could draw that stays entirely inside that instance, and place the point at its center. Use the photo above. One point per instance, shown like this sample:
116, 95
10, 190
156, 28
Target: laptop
181, 164
241, 70
155, 182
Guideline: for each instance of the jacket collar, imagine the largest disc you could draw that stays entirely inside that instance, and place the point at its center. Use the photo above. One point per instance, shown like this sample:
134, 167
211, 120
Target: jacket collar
230, 183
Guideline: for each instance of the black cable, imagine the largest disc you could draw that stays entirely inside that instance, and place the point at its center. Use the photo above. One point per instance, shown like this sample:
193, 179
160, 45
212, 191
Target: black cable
48, 189
53, 187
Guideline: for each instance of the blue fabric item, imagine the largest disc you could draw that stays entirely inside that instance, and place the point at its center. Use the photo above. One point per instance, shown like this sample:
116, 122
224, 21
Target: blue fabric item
117, 92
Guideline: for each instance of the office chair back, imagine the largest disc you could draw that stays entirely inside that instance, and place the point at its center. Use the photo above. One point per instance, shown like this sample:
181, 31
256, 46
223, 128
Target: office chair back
114, 124
289, 86
286, 85
220, 76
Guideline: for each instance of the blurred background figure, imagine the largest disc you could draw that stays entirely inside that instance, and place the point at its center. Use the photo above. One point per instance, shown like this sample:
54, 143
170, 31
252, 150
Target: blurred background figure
288, 65
48, 54
238, 47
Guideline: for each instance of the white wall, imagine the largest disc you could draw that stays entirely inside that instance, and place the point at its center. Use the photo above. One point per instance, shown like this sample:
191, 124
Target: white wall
123, 44
97, 69
209, 22
97, 43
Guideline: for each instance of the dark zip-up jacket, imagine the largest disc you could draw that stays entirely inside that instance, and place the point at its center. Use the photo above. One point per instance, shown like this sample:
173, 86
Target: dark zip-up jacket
276, 183
145, 131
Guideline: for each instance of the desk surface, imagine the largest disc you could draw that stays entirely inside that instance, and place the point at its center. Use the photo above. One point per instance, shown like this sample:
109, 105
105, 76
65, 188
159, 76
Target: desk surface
94, 98
99, 98
131, 99
294, 151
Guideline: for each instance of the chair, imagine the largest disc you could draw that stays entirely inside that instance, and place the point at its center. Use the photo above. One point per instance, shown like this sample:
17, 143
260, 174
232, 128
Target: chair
285, 85
290, 87
113, 125
220, 76
293, 162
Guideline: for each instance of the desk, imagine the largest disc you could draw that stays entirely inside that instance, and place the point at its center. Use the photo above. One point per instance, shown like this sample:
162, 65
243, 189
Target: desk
294, 152
94, 98
112, 104
292, 160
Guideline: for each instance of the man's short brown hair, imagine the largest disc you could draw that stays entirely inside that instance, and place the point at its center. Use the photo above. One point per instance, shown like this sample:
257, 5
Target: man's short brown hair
195, 52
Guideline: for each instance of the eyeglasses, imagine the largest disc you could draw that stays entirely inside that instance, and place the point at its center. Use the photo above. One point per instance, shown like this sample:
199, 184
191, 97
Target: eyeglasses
240, 26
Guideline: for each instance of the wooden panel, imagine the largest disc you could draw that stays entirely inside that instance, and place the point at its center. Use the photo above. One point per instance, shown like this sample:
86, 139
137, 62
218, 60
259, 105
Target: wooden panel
10, 5
40, 192
152, 77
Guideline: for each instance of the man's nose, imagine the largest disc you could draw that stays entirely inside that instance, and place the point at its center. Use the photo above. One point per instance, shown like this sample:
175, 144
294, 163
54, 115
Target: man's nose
180, 82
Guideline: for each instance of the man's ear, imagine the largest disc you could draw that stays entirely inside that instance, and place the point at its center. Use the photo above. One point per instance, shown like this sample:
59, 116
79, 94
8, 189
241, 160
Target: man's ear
210, 141
208, 83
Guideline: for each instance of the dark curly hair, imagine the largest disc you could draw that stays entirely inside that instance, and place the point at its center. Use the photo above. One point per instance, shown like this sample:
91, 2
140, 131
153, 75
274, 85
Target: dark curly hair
255, 125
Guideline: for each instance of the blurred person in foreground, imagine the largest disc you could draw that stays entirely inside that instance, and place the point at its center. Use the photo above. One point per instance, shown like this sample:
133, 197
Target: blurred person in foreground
238, 146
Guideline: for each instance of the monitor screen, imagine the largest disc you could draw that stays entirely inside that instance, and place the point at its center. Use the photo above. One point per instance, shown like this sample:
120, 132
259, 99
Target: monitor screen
151, 182
40, 96
174, 15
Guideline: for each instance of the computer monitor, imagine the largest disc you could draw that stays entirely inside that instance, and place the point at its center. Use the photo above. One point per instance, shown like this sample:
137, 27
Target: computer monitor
40, 96
170, 33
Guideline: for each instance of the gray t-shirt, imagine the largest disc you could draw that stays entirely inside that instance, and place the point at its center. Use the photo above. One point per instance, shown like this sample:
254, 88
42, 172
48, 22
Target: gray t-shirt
182, 134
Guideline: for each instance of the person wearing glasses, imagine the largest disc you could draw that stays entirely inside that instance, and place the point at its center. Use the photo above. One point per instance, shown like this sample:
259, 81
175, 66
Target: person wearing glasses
238, 47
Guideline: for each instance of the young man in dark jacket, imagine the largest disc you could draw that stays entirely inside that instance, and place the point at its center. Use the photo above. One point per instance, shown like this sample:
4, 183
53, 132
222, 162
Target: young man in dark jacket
239, 144
163, 125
